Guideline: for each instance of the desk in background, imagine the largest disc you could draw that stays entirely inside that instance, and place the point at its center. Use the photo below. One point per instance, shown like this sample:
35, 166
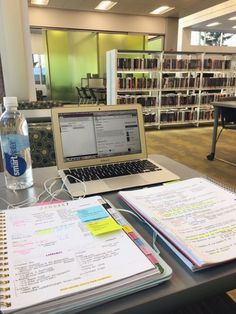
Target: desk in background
183, 288
217, 110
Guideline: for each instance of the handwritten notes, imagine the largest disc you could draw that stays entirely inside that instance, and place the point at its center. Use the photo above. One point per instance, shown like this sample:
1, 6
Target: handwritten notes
52, 252
195, 215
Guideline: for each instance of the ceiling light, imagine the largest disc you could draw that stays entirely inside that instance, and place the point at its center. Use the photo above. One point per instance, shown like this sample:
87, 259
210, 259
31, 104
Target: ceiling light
232, 18
105, 5
161, 10
213, 24
234, 26
39, 2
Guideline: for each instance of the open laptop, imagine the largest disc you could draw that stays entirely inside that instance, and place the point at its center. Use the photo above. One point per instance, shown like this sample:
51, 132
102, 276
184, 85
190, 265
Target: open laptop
103, 146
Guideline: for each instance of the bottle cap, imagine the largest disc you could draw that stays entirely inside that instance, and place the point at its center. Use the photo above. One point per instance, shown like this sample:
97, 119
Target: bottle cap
10, 102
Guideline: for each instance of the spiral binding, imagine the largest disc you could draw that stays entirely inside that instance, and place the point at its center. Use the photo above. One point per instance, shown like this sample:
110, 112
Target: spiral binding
226, 187
4, 282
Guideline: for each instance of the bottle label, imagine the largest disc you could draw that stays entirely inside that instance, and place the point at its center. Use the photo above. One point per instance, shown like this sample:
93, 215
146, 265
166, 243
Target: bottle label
13, 145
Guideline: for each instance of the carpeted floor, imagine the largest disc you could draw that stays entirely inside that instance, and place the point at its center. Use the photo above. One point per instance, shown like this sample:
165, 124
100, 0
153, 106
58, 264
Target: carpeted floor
190, 146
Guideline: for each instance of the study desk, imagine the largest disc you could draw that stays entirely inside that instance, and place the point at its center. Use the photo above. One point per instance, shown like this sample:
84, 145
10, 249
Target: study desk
183, 288
217, 110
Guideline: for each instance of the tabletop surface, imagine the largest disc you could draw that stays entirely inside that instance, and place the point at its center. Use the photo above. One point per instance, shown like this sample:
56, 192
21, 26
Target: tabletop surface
184, 286
226, 103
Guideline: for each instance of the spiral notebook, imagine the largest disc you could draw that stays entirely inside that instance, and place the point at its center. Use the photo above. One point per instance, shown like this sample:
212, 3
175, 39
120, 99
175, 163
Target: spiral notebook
72, 255
195, 217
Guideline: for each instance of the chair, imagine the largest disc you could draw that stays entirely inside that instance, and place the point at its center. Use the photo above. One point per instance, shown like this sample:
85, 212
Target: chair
87, 97
94, 98
97, 96
80, 95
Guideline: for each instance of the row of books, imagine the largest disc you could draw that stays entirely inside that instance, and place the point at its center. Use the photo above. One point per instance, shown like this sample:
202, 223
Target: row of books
147, 101
137, 83
137, 63
175, 82
181, 82
217, 64
206, 114
218, 81
185, 116
149, 117
172, 64
182, 64
171, 99
179, 100
178, 116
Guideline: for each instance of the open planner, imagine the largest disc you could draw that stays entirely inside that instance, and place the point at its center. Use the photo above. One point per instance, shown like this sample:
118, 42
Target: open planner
72, 255
195, 217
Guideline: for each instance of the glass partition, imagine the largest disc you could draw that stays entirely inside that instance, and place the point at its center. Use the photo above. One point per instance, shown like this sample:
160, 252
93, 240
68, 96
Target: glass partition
73, 56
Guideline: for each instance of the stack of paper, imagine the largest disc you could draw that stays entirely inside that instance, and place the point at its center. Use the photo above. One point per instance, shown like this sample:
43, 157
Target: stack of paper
195, 217
74, 254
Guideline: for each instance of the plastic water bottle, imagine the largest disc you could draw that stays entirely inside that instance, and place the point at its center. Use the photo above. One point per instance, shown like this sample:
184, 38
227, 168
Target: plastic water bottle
15, 147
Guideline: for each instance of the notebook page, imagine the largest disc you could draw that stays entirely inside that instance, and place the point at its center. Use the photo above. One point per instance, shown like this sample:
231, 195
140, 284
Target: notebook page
196, 214
58, 249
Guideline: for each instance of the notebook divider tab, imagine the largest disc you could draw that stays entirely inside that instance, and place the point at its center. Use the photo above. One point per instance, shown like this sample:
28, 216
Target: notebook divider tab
147, 250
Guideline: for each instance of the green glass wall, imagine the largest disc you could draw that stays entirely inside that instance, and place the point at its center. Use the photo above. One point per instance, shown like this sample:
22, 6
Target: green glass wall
58, 64
155, 44
117, 41
83, 55
73, 54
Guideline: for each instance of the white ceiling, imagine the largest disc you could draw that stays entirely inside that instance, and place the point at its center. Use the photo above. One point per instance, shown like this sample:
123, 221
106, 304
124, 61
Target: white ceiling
143, 7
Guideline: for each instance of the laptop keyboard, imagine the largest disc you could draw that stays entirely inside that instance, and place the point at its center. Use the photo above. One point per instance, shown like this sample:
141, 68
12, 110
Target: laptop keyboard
110, 170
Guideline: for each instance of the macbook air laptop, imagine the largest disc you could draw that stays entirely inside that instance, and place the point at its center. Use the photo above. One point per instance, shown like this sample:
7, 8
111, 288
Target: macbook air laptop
104, 147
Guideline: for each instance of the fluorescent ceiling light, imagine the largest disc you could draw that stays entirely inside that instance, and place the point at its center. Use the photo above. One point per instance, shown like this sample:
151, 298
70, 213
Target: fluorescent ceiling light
233, 18
234, 26
213, 24
161, 10
105, 5
39, 2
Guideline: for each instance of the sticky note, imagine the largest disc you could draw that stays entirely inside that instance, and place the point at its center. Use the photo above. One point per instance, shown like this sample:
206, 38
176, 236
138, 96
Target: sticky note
92, 213
103, 226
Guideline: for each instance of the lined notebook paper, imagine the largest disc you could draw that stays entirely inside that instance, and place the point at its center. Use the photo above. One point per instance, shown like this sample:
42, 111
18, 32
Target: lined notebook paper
72, 254
195, 217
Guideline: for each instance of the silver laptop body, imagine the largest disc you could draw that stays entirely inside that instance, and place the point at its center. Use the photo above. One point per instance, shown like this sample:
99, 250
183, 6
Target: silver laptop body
89, 136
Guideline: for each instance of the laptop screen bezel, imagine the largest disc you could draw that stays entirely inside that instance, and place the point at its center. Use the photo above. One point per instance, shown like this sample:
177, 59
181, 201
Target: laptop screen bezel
61, 164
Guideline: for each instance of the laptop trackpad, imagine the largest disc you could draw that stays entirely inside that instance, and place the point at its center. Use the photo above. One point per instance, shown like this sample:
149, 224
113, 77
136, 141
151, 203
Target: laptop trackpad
126, 181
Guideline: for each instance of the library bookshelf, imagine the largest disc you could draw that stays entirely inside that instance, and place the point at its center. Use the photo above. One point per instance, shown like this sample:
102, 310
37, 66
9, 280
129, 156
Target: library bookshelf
174, 88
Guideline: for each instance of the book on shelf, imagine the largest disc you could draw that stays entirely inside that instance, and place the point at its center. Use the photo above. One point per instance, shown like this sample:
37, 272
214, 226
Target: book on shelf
72, 255
195, 217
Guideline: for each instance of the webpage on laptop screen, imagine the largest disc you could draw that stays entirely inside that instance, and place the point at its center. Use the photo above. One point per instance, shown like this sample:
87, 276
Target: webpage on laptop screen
99, 134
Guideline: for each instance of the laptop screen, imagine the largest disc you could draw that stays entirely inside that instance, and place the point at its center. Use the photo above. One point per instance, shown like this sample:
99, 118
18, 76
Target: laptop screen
89, 135
93, 135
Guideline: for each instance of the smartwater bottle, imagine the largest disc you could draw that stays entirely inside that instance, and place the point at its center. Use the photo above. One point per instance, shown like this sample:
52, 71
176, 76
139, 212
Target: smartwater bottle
15, 147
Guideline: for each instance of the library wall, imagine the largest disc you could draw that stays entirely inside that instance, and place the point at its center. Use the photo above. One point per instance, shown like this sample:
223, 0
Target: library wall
53, 18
